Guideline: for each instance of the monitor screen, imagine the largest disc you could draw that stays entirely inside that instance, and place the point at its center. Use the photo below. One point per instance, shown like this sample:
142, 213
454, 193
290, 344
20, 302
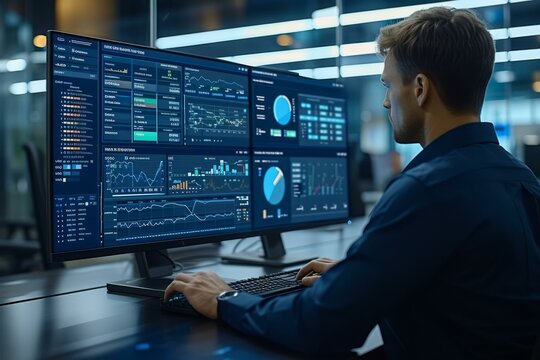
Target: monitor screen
299, 148
152, 149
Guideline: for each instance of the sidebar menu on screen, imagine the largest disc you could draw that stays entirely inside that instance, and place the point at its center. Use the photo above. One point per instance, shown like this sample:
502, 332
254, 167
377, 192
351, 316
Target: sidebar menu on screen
74, 134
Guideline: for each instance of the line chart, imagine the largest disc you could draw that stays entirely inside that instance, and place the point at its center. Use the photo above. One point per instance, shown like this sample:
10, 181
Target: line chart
134, 174
212, 83
216, 120
318, 178
200, 210
319, 188
199, 79
163, 217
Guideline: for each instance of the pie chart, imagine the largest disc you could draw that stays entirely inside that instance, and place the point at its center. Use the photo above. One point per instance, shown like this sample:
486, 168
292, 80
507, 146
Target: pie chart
274, 185
282, 110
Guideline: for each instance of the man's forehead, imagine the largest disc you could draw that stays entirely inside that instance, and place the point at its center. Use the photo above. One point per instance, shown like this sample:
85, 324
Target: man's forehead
384, 71
388, 66
388, 60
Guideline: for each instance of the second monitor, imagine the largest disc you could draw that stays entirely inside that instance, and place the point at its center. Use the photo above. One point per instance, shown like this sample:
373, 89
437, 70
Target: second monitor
298, 147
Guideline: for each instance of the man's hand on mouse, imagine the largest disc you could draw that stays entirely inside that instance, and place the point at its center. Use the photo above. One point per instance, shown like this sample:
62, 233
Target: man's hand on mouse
201, 290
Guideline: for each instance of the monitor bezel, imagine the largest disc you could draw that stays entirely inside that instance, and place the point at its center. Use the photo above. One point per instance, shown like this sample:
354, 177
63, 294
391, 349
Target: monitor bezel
163, 244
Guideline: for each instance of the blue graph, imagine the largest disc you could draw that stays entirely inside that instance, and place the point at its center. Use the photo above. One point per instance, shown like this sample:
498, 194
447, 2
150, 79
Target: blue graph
274, 185
319, 187
214, 118
282, 110
217, 122
128, 175
162, 218
213, 83
208, 175
318, 177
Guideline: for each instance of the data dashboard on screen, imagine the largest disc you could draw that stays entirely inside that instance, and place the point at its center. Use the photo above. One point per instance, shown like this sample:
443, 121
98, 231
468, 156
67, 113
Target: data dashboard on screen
299, 149
148, 145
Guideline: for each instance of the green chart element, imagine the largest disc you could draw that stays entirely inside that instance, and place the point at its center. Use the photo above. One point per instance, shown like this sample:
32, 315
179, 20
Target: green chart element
144, 102
144, 136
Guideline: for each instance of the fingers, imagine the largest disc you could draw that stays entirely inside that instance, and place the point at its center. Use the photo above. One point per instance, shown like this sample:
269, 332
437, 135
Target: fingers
187, 283
178, 284
307, 269
316, 266
200, 289
310, 280
174, 287
185, 277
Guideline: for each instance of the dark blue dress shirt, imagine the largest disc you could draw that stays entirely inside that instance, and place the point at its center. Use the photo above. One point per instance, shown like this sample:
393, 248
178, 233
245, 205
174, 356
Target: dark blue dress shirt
448, 265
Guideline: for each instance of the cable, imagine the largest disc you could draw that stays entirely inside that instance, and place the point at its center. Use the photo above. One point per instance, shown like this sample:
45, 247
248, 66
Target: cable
177, 266
250, 246
238, 244
253, 244
187, 265
216, 262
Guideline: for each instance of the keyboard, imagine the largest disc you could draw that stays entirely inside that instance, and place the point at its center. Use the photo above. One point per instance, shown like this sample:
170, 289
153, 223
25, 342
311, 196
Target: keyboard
266, 286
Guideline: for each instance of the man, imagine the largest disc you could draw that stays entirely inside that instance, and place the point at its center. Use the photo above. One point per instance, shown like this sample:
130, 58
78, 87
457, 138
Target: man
449, 263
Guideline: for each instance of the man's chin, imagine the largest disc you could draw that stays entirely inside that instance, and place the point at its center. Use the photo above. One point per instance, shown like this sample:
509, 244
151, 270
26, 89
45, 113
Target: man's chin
404, 140
400, 139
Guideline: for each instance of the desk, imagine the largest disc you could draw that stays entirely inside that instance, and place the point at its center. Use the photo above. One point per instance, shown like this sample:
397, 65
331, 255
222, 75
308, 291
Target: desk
68, 313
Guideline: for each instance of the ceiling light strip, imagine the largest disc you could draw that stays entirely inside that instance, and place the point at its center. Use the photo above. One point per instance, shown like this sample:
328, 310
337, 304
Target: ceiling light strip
401, 12
239, 33
376, 68
353, 49
324, 21
286, 56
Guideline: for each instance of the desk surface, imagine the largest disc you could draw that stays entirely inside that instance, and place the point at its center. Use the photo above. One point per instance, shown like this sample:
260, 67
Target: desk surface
327, 241
68, 313
96, 324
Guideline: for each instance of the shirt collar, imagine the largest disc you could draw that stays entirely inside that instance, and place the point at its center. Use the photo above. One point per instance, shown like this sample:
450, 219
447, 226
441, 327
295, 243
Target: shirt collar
461, 136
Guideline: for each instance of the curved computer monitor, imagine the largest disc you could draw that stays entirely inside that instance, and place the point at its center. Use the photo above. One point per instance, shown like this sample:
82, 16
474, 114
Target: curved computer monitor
151, 149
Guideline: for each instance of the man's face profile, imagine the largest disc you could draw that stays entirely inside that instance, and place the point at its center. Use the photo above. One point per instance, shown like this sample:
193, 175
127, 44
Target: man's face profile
401, 103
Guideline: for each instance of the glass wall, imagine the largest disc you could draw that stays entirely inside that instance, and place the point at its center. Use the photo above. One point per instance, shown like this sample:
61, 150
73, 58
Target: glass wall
330, 39
22, 115
316, 38
23, 24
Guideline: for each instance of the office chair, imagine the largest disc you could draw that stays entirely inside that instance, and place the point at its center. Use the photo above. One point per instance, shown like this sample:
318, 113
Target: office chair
11, 228
18, 255
36, 170
19, 248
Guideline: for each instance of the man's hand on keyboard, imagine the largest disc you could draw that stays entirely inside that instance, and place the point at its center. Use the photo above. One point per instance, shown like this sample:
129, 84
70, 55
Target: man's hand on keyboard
200, 289
313, 270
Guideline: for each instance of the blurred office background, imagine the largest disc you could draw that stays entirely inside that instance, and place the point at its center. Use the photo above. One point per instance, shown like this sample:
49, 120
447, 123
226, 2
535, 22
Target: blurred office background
323, 39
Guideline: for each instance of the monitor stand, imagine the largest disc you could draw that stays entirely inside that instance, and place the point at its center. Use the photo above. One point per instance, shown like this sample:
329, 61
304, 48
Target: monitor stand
274, 254
155, 270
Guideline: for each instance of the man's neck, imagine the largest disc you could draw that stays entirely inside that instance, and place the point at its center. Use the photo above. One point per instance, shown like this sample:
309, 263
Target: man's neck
438, 124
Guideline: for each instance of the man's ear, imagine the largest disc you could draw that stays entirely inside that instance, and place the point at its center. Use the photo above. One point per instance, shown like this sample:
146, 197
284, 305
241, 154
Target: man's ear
421, 89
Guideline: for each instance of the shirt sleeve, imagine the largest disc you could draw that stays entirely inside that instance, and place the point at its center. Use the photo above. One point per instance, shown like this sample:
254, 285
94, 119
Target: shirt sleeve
404, 245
